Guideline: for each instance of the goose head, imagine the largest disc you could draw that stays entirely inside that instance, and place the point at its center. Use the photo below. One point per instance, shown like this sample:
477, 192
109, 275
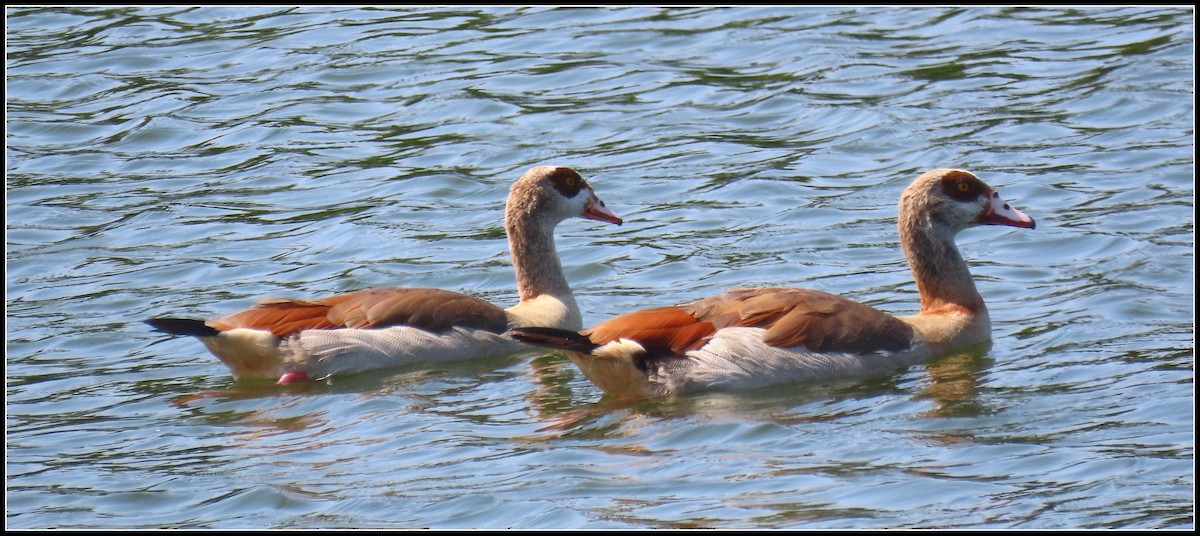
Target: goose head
943, 202
547, 195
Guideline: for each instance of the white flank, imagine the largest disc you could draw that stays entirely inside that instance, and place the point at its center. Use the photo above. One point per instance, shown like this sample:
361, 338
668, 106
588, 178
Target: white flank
321, 352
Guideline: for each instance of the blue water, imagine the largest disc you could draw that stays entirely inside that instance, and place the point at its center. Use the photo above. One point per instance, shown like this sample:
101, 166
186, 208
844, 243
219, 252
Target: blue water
189, 160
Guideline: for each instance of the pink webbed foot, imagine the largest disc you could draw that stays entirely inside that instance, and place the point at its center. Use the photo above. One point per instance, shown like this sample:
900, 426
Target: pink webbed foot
295, 376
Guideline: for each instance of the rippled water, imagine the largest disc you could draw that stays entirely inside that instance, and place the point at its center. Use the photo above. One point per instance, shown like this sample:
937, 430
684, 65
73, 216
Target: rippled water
187, 161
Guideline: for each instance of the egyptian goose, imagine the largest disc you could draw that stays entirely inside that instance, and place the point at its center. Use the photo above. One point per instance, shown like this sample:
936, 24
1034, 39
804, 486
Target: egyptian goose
294, 340
753, 337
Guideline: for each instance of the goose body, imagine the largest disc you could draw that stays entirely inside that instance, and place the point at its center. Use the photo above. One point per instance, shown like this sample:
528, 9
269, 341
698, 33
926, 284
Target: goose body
293, 340
753, 337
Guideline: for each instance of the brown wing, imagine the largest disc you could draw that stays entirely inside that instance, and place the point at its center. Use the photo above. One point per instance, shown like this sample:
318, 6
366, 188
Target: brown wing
662, 327
792, 317
426, 308
818, 320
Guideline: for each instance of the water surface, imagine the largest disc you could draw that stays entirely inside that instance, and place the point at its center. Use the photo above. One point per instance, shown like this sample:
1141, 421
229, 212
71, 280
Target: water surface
189, 160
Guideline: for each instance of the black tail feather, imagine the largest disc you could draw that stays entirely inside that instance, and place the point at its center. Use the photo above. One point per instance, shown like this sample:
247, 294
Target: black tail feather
561, 339
182, 326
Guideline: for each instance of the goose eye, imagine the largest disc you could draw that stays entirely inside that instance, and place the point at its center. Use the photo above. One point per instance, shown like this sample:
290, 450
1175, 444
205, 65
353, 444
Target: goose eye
567, 182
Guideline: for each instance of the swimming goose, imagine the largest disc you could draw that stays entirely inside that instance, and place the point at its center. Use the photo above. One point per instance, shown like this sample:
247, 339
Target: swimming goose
752, 337
295, 340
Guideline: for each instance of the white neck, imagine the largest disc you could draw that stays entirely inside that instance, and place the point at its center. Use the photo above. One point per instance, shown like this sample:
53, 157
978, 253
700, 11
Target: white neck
952, 313
546, 298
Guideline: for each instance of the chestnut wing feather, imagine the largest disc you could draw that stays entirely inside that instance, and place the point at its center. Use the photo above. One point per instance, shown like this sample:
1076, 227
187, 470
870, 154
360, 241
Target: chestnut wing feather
792, 317
430, 309
820, 321
668, 328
